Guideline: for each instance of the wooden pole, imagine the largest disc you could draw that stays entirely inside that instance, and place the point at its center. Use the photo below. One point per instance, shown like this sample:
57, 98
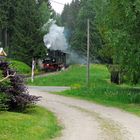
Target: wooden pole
88, 59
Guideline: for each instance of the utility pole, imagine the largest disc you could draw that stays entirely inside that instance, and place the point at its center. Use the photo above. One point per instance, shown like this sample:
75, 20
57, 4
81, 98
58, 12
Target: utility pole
88, 60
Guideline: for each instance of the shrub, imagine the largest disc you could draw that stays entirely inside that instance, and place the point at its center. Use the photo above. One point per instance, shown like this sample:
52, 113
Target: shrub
3, 102
13, 87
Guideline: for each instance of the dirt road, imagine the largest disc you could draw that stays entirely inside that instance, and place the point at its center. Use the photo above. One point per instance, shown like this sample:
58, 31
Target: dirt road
83, 120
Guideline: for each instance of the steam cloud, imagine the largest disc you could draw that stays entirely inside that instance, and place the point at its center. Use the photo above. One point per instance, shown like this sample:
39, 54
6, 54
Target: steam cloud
75, 58
55, 39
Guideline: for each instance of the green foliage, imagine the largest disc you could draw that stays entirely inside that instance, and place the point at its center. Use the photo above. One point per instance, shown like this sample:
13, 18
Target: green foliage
114, 32
27, 39
57, 18
4, 13
118, 22
3, 102
12, 85
3, 97
7, 17
75, 17
44, 12
35, 124
70, 14
20, 28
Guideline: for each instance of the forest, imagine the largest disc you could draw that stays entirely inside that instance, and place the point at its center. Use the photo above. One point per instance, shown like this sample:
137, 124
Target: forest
21, 24
114, 31
101, 93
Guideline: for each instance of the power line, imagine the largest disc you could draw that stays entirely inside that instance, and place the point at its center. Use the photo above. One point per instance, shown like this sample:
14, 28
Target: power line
57, 2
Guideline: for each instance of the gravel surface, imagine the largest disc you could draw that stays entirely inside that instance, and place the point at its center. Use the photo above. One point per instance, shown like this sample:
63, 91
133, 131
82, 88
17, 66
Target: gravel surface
83, 120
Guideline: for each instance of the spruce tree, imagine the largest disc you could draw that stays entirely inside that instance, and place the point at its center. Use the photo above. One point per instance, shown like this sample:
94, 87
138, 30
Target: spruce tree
27, 38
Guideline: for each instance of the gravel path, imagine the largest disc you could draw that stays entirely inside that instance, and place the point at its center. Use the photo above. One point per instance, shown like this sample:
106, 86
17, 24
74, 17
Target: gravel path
83, 120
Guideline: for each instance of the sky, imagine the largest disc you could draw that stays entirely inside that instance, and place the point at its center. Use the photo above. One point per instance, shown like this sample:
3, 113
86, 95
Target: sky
59, 7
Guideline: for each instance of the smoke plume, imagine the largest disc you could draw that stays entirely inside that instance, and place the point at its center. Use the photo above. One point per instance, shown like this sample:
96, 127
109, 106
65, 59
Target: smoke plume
55, 39
75, 58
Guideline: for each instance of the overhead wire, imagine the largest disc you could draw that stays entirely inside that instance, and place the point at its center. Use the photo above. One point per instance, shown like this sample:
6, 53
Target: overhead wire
57, 2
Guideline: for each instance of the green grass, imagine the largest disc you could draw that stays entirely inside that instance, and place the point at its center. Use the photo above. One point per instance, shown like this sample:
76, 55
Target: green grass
100, 89
36, 124
20, 67
120, 101
74, 76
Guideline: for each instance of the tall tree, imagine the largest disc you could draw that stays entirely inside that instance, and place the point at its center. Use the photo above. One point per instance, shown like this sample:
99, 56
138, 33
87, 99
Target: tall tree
27, 38
70, 14
79, 38
5, 7
20, 27
69, 17
119, 27
44, 11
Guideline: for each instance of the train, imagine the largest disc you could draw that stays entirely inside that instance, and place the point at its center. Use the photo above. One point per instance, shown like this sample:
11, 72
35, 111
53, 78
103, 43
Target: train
55, 60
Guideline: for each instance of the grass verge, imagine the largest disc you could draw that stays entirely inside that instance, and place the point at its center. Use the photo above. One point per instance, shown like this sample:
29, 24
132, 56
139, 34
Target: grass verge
36, 124
99, 99
100, 89
74, 76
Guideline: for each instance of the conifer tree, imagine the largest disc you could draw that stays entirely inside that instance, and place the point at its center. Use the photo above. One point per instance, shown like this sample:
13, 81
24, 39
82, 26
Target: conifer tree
75, 18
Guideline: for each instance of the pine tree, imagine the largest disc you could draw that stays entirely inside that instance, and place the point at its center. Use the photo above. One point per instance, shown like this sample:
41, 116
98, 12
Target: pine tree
4, 21
79, 38
27, 38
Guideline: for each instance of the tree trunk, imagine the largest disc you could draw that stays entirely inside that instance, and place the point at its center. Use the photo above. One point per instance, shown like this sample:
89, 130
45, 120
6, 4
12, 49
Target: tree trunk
5, 38
0, 37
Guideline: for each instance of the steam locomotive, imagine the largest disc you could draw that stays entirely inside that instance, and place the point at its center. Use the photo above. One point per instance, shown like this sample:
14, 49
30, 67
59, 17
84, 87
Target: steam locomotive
55, 60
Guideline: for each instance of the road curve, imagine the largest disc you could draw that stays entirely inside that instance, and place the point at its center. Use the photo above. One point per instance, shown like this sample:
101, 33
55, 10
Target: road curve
83, 120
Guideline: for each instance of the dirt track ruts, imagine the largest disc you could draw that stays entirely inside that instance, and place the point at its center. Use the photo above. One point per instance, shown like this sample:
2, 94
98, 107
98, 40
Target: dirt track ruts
83, 120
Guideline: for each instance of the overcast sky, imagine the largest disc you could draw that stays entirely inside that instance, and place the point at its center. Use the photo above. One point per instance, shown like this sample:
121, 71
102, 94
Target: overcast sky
59, 7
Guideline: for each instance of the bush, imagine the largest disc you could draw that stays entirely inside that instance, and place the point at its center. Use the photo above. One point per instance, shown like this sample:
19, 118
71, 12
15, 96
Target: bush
3, 102
13, 87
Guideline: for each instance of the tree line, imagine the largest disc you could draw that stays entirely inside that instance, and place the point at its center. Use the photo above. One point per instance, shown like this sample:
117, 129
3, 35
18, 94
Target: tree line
21, 25
114, 32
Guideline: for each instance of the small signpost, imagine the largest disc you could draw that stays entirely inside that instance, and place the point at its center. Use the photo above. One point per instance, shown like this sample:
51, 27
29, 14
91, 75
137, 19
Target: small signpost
33, 68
